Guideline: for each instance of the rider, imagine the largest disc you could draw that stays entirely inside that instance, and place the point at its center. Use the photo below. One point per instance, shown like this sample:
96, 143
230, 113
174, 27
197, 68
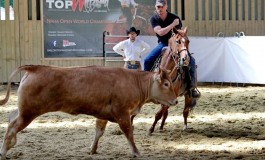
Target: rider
163, 22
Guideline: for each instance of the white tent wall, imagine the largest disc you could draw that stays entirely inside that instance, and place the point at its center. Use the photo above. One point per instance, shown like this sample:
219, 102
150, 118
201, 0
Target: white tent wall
227, 59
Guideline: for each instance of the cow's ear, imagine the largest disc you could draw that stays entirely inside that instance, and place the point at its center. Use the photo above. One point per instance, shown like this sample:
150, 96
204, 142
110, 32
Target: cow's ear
158, 78
170, 72
159, 75
163, 73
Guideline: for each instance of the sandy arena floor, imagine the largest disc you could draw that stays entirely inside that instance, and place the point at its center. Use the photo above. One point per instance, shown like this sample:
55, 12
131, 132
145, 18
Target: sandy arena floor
227, 123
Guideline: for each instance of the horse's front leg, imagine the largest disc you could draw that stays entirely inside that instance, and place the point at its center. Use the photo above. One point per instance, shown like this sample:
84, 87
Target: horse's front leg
158, 116
165, 114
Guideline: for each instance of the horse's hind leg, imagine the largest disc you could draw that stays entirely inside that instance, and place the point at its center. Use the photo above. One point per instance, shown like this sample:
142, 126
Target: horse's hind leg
189, 104
185, 116
17, 122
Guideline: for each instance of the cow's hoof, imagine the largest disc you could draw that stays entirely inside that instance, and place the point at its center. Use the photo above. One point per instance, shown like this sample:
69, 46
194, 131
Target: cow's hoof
2, 157
185, 127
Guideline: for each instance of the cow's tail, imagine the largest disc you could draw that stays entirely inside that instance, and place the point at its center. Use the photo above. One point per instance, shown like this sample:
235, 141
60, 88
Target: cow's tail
19, 69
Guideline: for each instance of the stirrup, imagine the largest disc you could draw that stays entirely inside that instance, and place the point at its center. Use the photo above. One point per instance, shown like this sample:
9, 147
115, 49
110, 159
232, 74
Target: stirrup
195, 93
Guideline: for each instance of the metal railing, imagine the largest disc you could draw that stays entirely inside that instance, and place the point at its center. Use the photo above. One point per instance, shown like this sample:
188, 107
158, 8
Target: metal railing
236, 34
108, 54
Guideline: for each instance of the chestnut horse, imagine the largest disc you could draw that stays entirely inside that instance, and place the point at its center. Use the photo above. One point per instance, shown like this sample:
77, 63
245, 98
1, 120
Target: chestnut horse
175, 58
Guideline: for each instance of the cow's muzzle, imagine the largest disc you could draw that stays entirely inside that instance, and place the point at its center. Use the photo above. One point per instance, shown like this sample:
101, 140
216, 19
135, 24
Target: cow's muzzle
173, 102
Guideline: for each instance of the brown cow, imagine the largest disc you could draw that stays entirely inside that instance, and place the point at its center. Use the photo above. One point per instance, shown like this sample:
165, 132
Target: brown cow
109, 94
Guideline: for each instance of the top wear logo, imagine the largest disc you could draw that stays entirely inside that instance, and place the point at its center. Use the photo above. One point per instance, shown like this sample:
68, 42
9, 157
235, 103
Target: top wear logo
82, 5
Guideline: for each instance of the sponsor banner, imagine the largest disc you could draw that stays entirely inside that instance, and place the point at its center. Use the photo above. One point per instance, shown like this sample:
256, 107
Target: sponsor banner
74, 28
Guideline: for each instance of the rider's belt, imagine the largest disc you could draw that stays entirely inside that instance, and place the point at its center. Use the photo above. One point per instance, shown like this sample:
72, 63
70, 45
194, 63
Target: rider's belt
133, 62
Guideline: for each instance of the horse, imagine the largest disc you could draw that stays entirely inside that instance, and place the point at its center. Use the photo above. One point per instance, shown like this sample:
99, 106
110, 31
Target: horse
176, 58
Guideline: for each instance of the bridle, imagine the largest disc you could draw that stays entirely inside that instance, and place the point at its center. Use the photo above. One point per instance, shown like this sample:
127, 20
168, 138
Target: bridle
176, 56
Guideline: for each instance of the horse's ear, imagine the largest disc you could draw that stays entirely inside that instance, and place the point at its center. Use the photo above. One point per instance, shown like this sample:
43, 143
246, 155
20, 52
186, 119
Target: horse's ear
175, 30
185, 30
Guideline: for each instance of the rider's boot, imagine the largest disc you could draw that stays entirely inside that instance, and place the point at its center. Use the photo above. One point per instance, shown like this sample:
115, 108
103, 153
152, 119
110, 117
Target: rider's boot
194, 92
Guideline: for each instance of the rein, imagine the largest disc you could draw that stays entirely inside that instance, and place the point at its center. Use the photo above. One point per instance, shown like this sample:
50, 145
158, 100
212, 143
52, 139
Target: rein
177, 67
177, 63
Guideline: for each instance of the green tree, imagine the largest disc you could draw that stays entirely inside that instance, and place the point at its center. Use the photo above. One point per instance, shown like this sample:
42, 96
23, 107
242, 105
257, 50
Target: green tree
2, 3
11, 3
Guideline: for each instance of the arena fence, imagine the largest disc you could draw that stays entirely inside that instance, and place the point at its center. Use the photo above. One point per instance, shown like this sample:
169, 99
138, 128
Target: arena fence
108, 43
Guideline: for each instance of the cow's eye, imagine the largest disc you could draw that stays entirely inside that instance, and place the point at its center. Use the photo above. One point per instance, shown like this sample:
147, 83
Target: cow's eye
166, 84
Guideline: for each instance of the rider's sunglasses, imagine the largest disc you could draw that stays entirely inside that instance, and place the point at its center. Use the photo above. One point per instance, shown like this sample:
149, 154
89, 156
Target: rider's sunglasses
159, 6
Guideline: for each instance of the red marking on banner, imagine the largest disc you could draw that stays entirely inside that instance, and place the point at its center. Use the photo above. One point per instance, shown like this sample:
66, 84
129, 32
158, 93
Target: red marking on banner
75, 3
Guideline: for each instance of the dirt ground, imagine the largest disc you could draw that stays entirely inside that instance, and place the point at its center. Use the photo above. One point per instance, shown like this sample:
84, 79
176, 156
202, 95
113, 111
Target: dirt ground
227, 123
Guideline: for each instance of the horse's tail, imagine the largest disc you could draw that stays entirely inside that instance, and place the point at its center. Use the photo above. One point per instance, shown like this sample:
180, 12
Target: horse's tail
14, 73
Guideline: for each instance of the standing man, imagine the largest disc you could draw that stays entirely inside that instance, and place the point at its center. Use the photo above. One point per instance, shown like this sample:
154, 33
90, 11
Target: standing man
132, 49
163, 22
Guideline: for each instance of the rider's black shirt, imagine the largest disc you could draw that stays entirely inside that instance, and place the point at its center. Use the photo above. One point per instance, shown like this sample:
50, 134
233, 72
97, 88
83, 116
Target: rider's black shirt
157, 21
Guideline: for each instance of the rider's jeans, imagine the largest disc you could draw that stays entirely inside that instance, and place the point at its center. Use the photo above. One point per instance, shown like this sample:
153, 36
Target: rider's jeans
193, 70
152, 56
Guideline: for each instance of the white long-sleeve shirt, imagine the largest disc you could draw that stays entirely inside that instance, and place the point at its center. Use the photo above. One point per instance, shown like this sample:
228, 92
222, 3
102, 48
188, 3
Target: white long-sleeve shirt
132, 51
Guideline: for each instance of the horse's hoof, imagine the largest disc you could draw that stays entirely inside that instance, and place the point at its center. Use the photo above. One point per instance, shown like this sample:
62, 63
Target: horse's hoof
91, 153
135, 155
150, 132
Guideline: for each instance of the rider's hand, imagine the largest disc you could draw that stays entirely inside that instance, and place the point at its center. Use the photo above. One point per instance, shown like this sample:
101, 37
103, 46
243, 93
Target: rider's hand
175, 22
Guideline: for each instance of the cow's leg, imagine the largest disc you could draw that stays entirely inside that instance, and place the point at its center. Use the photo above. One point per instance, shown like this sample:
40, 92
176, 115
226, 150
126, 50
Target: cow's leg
157, 118
132, 117
164, 117
17, 122
100, 128
126, 126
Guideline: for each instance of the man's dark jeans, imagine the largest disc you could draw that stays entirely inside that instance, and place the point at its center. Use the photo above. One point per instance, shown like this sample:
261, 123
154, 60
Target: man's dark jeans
152, 56
193, 70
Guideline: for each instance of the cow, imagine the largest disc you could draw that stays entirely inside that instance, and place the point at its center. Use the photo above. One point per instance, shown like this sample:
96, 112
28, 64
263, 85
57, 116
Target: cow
109, 94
